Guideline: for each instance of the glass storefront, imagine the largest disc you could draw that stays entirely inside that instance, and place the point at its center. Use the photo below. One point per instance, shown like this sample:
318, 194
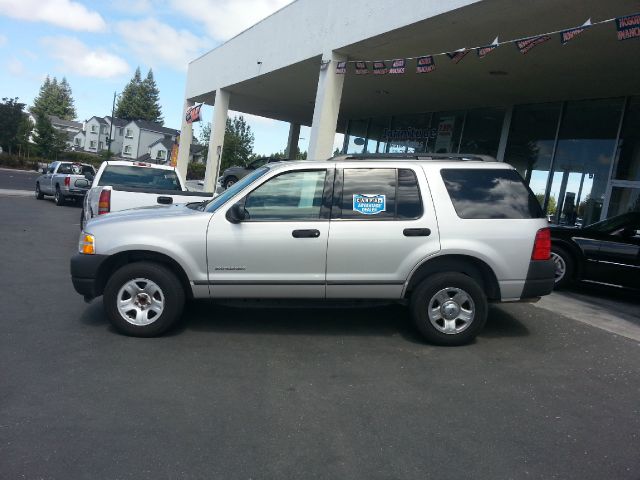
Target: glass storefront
580, 158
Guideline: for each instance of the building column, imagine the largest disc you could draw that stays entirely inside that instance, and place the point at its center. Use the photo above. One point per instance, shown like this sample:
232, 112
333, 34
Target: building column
216, 141
327, 108
186, 136
292, 143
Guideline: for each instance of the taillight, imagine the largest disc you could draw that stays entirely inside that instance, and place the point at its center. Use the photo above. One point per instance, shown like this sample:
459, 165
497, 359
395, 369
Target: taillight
67, 181
104, 202
542, 245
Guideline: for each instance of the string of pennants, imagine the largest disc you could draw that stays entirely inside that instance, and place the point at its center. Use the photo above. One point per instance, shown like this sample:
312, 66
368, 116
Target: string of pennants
627, 27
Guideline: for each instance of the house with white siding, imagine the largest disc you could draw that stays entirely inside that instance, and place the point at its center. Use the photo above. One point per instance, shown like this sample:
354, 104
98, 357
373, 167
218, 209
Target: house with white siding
140, 134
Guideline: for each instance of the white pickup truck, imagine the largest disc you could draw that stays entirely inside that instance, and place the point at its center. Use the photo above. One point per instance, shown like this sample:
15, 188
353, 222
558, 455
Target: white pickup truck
122, 185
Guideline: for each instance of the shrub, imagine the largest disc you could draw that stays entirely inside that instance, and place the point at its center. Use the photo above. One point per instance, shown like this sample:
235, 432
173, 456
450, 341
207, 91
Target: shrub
196, 171
23, 163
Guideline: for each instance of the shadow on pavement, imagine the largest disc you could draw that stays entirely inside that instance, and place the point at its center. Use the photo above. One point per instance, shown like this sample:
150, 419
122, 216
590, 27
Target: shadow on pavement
204, 316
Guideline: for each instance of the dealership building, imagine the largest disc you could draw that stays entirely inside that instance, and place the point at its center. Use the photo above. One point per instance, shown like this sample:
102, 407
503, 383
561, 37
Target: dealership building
566, 115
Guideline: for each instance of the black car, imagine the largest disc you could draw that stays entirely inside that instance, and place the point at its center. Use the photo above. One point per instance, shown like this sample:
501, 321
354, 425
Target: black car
605, 252
234, 173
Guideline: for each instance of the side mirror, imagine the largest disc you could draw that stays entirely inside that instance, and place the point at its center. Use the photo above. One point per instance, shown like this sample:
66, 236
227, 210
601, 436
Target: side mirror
236, 213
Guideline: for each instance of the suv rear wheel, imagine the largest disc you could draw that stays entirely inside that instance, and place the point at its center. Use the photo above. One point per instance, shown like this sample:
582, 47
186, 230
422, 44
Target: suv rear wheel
143, 299
449, 308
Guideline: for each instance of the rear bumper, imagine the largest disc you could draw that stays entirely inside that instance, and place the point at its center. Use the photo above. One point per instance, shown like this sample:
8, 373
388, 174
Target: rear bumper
84, 274
540, 279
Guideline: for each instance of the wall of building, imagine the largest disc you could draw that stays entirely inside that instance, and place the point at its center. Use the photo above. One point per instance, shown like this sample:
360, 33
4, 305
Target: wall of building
132, 141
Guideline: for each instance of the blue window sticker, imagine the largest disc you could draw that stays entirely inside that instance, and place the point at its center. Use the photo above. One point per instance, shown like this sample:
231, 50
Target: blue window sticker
368, 204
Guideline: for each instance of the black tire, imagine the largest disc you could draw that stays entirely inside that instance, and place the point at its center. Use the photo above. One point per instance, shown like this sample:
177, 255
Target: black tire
39, 194
170, 287
58, 197
562, 258
452, 283
230, 180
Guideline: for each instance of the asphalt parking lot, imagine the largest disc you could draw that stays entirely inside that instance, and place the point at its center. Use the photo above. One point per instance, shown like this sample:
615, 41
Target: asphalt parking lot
295, 393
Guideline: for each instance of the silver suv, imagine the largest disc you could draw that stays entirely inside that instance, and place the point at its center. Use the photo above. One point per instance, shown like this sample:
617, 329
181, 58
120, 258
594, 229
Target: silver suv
445, 234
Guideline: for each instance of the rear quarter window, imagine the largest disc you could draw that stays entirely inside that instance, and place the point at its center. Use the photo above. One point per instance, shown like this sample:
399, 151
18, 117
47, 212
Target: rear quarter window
490, 193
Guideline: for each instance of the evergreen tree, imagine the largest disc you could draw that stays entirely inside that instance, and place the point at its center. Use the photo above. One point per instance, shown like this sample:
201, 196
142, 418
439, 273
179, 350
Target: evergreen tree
238, 143
49, 142
140, 99
11, 115
151, 96
55, 99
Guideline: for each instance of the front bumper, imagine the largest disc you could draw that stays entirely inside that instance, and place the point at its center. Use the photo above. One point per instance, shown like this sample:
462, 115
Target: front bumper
540, 279
84, 274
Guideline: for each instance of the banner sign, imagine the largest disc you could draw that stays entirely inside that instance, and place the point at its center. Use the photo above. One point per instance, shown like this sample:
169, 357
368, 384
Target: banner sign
425, 64
445, 134
193, 114
527, 44
484, 51
361, 68
341, 68
457, 55
567, 35
174, 152
397, 66
368, 204
628, 27
380, 68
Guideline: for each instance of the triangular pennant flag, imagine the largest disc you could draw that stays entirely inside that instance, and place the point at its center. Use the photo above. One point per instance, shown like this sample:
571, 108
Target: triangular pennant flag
457, 55
567, 35
380, 68
628, 27
527, 44
425, 64
397, 66
341, 68
361, 68
484, 51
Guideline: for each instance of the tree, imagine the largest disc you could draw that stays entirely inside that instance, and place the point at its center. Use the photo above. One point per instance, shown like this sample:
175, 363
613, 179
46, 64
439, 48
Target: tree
551, 207
25, 127
55, 99
11, 114
49, 142
140, 99
238, 142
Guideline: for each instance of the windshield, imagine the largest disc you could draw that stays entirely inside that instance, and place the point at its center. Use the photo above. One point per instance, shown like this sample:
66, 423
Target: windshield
217, 202
139, 177
614, 223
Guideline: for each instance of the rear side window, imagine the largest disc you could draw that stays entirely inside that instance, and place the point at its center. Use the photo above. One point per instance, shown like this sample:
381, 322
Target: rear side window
64, 168
379, 194
139, 177
490, 193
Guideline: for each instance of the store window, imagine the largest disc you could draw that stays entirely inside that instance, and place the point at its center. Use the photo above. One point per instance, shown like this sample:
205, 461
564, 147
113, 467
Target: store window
628, 158
447, 129
481, 132
357, 136
530, 143
409, 133
379, 134
582, 163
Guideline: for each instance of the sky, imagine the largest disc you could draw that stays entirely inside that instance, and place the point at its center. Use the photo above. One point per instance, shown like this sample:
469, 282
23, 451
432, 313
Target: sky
97, 46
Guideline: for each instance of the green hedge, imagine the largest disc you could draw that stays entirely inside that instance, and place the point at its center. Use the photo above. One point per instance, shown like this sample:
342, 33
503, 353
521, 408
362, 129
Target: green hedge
195, 171
22, 163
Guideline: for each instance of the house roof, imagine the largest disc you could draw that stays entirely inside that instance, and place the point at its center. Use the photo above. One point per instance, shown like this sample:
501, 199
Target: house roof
81, 132
155, 127
144, 158
117, 122
71, 136
98, 119
167, 143
65, 123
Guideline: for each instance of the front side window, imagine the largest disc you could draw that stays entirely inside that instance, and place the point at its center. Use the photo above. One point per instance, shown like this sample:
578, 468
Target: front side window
490, 193
291, 196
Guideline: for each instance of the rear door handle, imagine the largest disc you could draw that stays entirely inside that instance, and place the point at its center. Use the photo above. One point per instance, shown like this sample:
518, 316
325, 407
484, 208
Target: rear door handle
311, 233
416, 232
165, 200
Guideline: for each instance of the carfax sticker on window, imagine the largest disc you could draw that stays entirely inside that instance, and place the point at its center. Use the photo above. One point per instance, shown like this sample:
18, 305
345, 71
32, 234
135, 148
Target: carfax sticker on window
369, 204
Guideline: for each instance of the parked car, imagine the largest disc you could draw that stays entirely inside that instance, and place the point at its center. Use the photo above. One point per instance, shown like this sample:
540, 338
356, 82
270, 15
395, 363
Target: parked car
122, 185
348, 228
604, 252
64, 180
232, 174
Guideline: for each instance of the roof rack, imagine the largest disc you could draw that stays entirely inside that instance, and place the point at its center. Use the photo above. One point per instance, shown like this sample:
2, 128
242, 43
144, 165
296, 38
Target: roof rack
415, 156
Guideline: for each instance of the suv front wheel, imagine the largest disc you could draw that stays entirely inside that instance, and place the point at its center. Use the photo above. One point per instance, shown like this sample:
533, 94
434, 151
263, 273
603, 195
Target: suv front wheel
449, 308
143, 299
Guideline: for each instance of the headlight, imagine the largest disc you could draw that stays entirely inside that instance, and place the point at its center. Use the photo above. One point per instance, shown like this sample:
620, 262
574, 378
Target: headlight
87, 244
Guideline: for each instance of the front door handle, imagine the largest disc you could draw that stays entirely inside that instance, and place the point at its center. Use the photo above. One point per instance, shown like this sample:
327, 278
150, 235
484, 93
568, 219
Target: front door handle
165, 200
311, 233
416, 232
